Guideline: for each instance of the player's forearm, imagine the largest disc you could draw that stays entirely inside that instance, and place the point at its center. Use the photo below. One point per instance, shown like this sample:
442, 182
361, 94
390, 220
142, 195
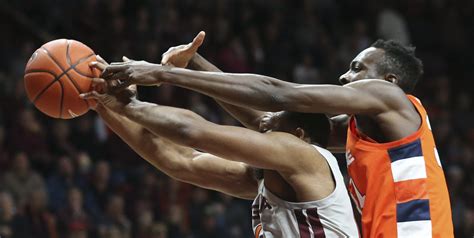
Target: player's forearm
198, 62
149, 146
175, 124
246, 90
129, 131
250, 118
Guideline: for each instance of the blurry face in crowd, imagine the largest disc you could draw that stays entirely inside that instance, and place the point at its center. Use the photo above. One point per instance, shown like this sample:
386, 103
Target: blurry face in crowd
102, 171
115, 206
38, 199
363, 66
75, 198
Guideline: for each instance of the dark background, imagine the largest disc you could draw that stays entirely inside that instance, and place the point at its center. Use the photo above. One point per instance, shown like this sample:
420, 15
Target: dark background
75, 178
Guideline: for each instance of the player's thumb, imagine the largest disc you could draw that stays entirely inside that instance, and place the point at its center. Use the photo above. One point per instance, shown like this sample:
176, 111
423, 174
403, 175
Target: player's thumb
198, 40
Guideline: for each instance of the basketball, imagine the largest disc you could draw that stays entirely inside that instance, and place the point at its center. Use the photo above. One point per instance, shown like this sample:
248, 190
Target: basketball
56, 74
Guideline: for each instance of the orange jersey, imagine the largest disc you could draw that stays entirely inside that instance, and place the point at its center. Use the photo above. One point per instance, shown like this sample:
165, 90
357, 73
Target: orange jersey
399, 187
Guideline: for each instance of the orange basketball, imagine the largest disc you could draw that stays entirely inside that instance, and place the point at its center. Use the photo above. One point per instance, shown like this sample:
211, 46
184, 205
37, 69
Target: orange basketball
56, 74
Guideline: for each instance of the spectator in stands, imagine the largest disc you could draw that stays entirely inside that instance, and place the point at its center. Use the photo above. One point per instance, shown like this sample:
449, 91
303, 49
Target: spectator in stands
21, 179
73, 220
61, 181
99, 190
115, 219
36, 221
7, 215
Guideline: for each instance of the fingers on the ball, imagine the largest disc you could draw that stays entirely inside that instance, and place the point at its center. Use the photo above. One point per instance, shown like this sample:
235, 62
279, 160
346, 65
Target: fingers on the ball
117, 89
91, 95
101, 60
111, 70
98, 65
97, 81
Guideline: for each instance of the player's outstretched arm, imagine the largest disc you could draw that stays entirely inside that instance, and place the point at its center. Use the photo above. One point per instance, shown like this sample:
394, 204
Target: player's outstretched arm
264, 93
183, 163
274, 150
250, 118
183, 56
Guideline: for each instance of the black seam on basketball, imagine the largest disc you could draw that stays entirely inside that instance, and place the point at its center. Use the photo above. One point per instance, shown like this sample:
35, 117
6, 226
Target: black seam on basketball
82, 74
39, 71
59, 76
74, 83
46, 88
62, 99
68, 58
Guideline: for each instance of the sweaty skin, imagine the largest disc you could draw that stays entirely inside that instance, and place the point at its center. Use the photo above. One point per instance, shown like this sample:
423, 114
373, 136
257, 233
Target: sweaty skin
291, 165
381, 108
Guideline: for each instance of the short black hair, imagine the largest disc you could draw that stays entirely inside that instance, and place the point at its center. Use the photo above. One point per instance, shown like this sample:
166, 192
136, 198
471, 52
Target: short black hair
317, 126
400, 60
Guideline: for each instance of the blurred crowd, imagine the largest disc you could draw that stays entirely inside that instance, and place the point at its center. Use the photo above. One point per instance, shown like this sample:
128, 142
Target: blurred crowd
75, 178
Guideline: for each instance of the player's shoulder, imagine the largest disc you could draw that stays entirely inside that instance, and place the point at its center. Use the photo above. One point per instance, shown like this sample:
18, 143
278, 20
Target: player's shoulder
300, 150
383, 90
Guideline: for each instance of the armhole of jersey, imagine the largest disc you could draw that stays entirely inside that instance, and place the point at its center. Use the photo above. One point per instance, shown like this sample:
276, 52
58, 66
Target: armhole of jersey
334, 168
420, 110
362, 142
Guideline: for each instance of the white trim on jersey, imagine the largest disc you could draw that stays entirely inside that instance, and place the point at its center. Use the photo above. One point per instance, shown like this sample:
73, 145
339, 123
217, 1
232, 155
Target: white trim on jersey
331, 216
409, 168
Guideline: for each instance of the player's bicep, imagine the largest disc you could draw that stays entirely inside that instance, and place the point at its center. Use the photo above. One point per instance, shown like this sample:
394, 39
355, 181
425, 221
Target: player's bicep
349, 99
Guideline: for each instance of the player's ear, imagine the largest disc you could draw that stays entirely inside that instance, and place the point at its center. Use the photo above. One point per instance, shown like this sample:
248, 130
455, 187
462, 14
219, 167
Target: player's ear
299, 132
392, 78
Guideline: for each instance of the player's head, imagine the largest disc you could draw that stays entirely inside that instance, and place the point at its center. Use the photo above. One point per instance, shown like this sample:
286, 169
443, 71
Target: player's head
386, 60
311, 127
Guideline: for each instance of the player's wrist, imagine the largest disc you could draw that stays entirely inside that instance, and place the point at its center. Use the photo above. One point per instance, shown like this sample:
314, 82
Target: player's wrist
161, 74
132, 109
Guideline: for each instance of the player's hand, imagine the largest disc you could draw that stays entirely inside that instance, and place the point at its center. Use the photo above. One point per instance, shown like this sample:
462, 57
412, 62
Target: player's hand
99, 84
116, 101
122, 74
179, 56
